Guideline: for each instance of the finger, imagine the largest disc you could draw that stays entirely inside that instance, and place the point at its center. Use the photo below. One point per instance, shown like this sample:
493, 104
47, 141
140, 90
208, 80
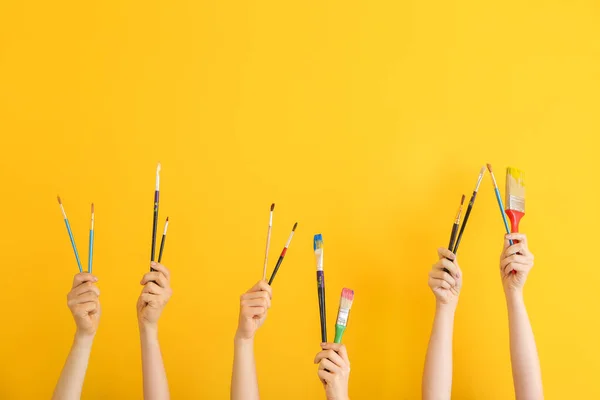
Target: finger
261, 286
161, 268
506, 244
445, 253
83, 309
252, 312
153, 288
514, 249
84, 288
255, 303
83, 277
325, 376
328, 365
156, 276
521, 237
256, 295
148, 298
518, 258
443, 275
339, 348
444, 263
514, 266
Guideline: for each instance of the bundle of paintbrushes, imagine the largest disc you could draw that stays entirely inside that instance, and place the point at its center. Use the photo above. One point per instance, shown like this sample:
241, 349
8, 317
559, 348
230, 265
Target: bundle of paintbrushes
343, 314
283, 252
155, 221
70, 232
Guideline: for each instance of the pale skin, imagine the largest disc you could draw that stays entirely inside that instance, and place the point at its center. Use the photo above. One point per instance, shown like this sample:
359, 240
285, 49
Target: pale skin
84, 303
516, 262
437, 374
254, 305
155, 295
334, 370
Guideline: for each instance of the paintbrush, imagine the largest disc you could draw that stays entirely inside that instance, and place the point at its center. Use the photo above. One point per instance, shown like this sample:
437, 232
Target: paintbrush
515, 198
280, 260
155, 214
162, 241
468, 212
318, 248
456, 223
268, 241
343, 313
499, 199
70, 233
91, 242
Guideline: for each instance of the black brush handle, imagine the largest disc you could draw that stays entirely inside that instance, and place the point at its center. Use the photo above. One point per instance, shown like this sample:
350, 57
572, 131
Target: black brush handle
276, 269
322, 314
464, 223
154, 227
452, 238
162, 247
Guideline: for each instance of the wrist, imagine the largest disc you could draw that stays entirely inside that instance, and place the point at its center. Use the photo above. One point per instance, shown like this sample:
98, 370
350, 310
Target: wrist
148, 330
514, 296
83, 339
239, 340
445, 308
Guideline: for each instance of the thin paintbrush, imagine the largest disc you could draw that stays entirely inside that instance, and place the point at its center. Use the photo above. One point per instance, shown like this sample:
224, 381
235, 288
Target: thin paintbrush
343, 313
70, 233
162, 241
318, 248
468, 212
515, 198
155, 214
456, 223
91, 243
268, 241
499, 198
279, 261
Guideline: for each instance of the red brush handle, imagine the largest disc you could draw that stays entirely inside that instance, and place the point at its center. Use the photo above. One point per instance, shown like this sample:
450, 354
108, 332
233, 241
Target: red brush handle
514, 217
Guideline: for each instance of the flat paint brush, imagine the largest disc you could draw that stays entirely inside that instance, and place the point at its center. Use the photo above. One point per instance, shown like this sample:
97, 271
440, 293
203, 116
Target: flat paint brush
318, 248
343, 314
155, 214
283, 252
162, 241
468, 212
268, 241
62, 209
91, 242
515, 198
499, 199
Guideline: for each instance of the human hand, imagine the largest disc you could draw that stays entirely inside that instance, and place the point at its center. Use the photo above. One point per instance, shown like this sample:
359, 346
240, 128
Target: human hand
334, 370
516, 258
84, 304
446, 285
155, 295
253, 310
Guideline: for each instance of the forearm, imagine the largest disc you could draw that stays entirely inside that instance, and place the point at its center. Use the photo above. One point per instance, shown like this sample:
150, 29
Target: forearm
71, 379
156, 386
244, 382
437, 375
526, 371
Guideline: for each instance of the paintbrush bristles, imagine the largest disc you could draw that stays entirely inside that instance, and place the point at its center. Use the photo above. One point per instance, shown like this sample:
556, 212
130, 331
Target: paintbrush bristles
318, 247
295, 226
272, 207
489, 167
346, 298
59, 201
515, 190
462, 201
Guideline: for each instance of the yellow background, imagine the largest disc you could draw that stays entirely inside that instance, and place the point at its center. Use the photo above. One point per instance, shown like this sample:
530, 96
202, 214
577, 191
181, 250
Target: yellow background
365, 121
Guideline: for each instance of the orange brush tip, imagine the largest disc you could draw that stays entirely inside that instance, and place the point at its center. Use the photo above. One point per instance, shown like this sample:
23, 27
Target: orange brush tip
462, 201
167, 219
59, 201
92, 208
489, 167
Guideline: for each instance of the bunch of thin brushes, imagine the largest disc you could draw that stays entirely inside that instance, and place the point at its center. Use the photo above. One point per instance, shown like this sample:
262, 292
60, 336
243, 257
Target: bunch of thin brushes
70, 232
155, 222
283, 252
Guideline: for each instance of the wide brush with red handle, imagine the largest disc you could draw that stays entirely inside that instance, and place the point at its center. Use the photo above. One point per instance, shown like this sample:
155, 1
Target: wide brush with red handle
515, 198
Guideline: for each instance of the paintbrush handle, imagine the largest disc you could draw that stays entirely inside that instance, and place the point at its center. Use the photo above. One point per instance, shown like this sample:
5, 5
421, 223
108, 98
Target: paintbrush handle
91, 251
162, 247
501, 206
322, 314
464, 223
514, 217
73, 244
276, 268
154, 225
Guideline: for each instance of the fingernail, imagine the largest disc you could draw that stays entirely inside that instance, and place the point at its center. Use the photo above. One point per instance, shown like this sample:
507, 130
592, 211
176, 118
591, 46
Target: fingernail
95, 279
323, 344
152, 263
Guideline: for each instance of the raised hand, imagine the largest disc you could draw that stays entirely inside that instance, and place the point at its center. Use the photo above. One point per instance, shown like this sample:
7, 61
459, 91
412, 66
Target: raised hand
445, 285
334, 370
515, 258
254, 305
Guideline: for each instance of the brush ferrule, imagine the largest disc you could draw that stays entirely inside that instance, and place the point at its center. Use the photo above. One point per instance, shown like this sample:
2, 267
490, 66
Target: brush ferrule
166, 227
478, 182
271, 219
342, 318
62, 209
289, 240
515, 203
319, 259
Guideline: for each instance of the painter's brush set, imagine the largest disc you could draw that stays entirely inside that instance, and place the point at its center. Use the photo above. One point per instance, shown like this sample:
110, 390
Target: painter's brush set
347, 294
515, 204
91, 237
